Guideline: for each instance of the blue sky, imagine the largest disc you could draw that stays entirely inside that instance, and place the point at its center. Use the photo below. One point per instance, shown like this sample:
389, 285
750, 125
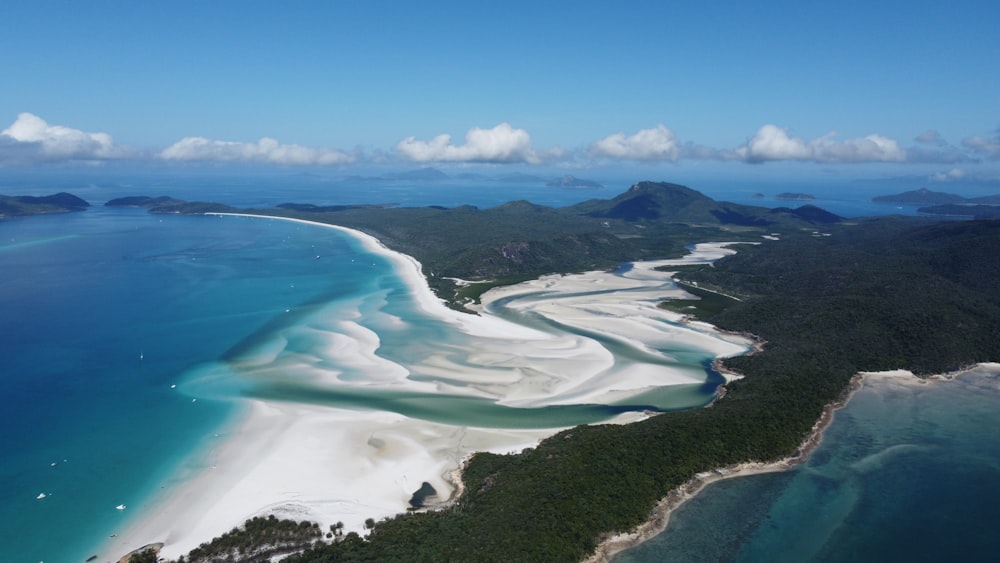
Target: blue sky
857, 88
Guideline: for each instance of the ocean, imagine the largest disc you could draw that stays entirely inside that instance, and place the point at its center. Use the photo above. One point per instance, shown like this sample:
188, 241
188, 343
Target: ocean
106, 314
907, 471
117, 326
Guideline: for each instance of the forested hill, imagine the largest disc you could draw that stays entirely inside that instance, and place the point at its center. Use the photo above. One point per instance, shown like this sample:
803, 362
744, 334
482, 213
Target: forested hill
11, 206
521, 240
886, 294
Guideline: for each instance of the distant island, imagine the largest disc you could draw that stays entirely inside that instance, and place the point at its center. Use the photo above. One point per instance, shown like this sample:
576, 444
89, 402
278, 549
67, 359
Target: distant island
943, 203
431, 175
923, 196
790, 196
22, 205
142, 201
568, 181
164, 204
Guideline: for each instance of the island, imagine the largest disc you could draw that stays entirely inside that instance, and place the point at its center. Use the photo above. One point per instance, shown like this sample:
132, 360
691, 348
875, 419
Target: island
923, 196
871, 295
789, 196
16, 206
164, 204
573, 182
943, 203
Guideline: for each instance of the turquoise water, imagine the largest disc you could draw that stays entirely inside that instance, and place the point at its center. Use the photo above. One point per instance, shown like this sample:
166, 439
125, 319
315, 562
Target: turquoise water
103, 312
130, 341
906, 472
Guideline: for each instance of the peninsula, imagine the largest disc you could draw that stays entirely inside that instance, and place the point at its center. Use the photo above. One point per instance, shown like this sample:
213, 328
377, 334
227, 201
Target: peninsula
871, 296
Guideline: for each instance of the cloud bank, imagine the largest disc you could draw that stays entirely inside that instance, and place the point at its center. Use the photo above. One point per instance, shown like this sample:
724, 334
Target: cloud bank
772, 143
266, 150
930, 137
501, 144
30, 140
658, 143
985, 146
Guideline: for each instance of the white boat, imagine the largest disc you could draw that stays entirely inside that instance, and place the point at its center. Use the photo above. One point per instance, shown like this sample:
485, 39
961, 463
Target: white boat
41, 496
120, 507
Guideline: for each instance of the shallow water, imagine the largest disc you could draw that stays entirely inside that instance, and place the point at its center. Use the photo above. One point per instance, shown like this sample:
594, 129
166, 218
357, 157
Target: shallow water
131, 339
907, 471
105, 311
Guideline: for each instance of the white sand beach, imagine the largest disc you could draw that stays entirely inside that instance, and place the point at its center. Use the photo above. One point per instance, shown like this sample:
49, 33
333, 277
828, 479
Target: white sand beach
329, 464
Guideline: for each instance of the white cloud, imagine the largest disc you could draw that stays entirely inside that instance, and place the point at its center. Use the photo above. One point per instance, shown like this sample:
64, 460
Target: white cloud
988, 146
266, 150
949, 176
31, 139
501, 144
773, 143
658, 143
930, 137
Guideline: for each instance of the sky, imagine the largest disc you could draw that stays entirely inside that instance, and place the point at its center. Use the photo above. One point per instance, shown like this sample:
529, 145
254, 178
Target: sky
847, 88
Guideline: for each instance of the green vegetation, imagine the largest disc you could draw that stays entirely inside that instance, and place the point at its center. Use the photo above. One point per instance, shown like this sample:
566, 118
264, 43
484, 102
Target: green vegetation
165, 204
520, 240
889, 293
147, 555
142, 201
12, 206
259, 540
707, 304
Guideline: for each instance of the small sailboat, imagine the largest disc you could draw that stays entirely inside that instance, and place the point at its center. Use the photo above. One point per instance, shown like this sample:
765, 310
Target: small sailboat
41, 496
120, 507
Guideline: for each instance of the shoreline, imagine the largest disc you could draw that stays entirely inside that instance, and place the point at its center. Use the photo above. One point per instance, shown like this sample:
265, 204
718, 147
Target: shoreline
661, 513
660, 516
272, 460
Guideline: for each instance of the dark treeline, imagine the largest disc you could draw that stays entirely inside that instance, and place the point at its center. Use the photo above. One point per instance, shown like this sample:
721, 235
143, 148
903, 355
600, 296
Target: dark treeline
258, 540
